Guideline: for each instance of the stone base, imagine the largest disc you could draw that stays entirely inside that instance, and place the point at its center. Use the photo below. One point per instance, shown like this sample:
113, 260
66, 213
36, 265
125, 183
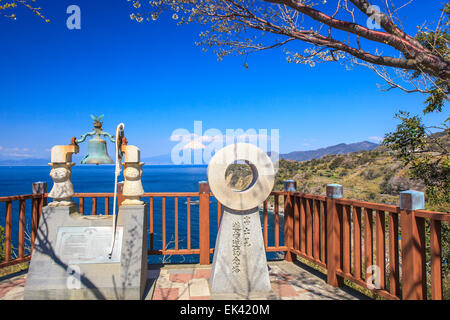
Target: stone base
240, 263
50, 277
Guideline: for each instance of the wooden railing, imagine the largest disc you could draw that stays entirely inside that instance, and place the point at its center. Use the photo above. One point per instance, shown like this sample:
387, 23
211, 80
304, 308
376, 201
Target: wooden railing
354, 240
89, 204
306, 227
19, 251
360, 241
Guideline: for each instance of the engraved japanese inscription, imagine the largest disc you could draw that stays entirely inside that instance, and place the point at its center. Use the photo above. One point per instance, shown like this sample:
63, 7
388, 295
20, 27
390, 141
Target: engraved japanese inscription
79, 245
246, 231
236, 262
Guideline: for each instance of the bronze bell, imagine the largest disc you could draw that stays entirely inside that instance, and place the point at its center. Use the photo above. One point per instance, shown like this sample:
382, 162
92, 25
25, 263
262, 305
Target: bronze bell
97, 153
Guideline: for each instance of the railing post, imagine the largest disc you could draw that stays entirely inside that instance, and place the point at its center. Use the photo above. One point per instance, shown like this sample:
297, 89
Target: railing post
289, 187
334, 235
8, 231
120, 196
40, 188
37, 188
413, 246
203, 189
435, 257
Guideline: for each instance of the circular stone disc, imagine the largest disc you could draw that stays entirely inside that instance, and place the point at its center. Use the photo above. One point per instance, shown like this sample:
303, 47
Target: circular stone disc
263, 176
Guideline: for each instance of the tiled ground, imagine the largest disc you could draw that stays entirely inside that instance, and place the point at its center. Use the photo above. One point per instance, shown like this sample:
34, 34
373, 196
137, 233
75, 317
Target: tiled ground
12, 288
289, 281
178, 282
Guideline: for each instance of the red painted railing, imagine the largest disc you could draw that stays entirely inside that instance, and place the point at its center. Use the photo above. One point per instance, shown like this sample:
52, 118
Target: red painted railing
346, 237
350, 238
203, 198
36, 202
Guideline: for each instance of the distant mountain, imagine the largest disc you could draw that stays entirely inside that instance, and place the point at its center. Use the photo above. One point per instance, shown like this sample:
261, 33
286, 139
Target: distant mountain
24, 162
166, 159
341, 148
161, 159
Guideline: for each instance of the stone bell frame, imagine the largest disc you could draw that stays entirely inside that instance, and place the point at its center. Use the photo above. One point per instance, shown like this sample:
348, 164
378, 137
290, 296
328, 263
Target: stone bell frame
65, 267
240, 263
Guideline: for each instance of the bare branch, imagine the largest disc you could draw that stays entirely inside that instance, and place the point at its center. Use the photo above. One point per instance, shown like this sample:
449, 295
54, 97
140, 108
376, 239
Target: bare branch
239, 27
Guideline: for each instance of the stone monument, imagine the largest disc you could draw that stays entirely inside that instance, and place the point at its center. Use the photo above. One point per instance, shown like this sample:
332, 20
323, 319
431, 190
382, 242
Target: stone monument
132, 188
240, 264
60, 173
70, 259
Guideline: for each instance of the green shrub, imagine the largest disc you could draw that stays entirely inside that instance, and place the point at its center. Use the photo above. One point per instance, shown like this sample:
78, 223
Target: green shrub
371, 174
336, 162
343, 173
372, 196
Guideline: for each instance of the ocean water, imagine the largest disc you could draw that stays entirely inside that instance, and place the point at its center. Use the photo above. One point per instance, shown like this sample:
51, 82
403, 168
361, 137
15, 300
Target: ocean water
91, 178
156, 178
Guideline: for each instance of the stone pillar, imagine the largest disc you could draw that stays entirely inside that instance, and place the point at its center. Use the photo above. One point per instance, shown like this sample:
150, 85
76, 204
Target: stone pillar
412, 200
61, 172
413, 245
134, 252
334, 236
71, 257
290, 185
240, 264
133, 215
132, 187
335, 191
86, 273
39, 187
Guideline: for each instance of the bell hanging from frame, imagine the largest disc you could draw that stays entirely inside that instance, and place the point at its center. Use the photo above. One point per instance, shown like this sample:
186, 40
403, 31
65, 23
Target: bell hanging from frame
97, 153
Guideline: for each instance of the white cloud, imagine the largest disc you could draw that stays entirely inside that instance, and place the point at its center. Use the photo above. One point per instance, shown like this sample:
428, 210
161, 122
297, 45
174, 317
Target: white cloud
183, 137
195, 137
375, 138
214, 139
16, 152
258, 137
194, 144
19, 155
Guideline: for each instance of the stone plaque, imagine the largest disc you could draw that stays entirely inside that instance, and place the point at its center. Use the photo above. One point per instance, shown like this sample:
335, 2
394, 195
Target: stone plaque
78, 245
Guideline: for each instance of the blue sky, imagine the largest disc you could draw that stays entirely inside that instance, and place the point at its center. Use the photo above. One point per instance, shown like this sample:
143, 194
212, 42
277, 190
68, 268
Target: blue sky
152, 77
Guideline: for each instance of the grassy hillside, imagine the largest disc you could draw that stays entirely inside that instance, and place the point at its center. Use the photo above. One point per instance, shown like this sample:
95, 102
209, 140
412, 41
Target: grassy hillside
341, 148
374, 176
238, 176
